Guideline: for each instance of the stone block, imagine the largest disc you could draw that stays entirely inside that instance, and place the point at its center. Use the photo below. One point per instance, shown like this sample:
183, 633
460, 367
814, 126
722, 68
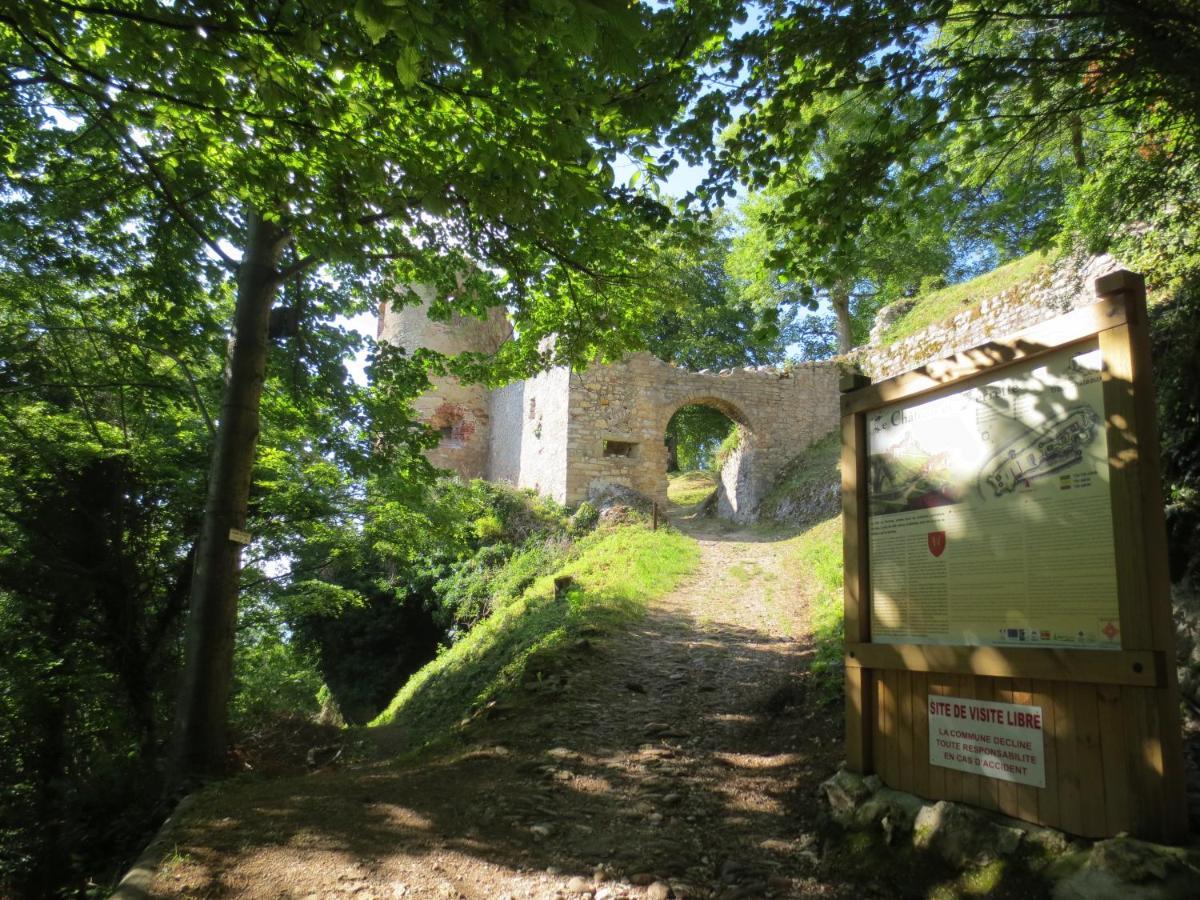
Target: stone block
963, 836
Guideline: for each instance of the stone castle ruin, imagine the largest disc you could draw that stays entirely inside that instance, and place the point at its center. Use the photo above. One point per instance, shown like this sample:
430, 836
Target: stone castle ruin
570, 435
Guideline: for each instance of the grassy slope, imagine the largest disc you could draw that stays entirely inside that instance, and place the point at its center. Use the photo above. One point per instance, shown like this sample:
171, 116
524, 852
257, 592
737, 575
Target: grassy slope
686, 488
805, 492
816, 558
615, 573
943, 304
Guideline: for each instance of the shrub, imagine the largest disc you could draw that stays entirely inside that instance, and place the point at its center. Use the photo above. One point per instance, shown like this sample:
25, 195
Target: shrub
728, 447
585, 518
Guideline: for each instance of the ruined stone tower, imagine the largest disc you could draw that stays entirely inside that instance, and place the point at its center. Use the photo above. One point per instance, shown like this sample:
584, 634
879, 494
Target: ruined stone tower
459, 411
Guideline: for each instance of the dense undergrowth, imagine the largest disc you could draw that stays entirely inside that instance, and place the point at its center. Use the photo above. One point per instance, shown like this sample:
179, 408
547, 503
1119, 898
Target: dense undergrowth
396, 609
613, 573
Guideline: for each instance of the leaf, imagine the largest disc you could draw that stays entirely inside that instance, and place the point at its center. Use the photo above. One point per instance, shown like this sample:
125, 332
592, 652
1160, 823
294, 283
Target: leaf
408, 66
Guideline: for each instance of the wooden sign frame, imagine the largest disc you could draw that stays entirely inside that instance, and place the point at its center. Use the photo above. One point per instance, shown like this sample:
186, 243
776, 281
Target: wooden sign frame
1113, 750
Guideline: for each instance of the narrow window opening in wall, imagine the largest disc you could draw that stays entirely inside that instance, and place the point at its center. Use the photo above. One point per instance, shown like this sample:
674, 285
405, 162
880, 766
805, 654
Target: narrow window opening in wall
452, 436
619, 449
532, 407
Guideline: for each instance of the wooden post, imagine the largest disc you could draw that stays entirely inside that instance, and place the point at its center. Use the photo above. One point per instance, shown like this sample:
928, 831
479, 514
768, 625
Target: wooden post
654, 516
860, 684
1151, 603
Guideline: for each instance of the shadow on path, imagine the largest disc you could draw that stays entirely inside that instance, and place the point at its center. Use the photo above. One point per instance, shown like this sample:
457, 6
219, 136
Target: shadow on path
686, 751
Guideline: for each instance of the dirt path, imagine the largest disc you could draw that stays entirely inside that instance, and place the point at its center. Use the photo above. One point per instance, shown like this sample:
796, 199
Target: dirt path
680, 760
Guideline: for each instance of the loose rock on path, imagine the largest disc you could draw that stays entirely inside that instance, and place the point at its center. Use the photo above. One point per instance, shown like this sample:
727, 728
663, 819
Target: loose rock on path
678, 760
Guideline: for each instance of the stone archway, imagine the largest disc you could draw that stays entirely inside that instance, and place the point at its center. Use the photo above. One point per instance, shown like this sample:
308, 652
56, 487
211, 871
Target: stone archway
618, 414
736, 484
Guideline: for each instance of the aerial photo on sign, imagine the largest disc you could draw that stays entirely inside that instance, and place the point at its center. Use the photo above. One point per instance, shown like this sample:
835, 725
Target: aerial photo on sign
990, 518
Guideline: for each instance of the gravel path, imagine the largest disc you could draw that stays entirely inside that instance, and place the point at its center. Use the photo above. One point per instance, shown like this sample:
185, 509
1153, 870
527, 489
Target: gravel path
680, 760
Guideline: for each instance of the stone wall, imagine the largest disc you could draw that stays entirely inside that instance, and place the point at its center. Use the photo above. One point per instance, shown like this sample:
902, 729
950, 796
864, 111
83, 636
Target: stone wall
508, 433
1056, 289
529, 434
737, 496
619, 415
567, 434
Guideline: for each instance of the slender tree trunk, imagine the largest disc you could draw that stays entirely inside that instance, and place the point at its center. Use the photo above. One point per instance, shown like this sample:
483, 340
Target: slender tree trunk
672, 443
202, 714
1077, 143
839, 299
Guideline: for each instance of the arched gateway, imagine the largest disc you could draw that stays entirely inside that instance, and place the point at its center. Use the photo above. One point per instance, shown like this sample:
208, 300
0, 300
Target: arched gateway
568, 434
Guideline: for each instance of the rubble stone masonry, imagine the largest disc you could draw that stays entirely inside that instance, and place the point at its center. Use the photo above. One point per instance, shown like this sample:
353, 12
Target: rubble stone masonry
569, 434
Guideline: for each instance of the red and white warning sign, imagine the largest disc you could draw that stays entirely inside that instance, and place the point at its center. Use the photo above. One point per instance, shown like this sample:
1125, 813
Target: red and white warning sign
999, 740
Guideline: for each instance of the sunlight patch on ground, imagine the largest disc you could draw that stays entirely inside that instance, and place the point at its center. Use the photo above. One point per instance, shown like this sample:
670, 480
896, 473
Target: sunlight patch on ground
689, 488
754, 761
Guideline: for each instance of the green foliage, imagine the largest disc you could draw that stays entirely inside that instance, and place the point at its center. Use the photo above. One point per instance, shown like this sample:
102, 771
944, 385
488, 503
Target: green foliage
103, 437
522, 513
615, 573
929, 308
584, 518
694, 434
317, 156
493, 576
709, 321
362, 654
817, 559
729, 445
372, 600
527, 535
275, 677
469, 147
535, 559
779, 256
1014, 120
488, 528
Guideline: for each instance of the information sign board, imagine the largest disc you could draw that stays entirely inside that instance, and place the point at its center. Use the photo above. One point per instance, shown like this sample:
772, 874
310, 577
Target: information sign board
1009, 639
990, 517
999, 740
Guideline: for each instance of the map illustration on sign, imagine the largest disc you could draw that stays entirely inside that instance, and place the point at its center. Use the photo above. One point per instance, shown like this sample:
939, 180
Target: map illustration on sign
1055, 446
989, 514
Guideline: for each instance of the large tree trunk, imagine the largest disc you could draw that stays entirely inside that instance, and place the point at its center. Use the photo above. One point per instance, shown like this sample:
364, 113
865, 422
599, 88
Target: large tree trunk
839, 299
202, 715
672, 442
